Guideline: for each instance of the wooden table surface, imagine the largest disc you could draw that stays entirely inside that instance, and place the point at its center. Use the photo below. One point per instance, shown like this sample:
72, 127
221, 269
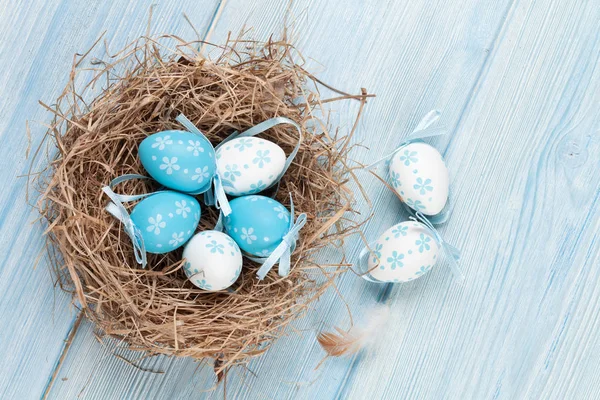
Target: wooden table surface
518, 84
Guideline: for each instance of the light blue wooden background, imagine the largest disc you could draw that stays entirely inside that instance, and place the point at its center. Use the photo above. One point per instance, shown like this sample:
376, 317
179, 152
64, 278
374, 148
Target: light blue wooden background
518, 82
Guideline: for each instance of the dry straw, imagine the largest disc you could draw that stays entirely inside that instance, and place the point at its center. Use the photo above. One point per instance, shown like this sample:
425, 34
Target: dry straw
143, 88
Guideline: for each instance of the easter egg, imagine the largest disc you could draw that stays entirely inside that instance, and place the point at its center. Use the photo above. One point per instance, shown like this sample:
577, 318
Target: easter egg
257, 224
403, 253
419, 175
213, 261
249, 165
179, 160
166, 220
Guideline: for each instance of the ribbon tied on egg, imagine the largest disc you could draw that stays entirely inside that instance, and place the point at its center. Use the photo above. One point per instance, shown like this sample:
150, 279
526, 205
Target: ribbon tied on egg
418, 173
265, 230
161, 222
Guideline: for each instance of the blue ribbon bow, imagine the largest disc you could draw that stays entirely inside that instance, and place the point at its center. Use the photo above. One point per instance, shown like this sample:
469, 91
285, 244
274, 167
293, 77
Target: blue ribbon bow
423, 130
214, 194
283, 252
117, 209
364, 265
452, 253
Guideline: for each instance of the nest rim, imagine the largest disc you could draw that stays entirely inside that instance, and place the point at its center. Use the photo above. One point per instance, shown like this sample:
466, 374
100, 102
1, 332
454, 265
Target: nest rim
157, 310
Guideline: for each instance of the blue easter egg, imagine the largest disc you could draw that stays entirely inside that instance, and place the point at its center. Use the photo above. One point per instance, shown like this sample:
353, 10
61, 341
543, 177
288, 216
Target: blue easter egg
257, 224
179, 160
167, 220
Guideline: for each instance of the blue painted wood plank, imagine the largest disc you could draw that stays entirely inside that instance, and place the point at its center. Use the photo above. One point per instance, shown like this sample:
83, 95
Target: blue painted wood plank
39, 40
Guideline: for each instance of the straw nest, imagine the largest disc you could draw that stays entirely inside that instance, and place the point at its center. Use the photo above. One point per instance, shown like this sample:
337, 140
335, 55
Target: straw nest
139, 91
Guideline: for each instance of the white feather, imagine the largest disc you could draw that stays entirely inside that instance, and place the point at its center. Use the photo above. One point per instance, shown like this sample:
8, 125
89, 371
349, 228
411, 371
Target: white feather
360, 336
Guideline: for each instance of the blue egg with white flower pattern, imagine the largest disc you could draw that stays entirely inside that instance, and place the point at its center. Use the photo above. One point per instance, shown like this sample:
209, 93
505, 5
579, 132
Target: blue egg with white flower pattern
257, 224
166, 220
179, 160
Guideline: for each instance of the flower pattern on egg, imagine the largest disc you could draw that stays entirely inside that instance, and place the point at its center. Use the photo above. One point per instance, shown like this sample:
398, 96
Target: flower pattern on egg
377, 252
182, 208
282, 213
236, 275
424, 269
162, 142
187, 267
409, 157
201, 174
243, 144
231, 172
217, 259
169, 165
415, 204
247, 235
232, 244
216, 247
176, 239
204, 285
156, 224
262, 158
249, 166
255, 224
257, 187
396, 260
423, 242
166, 220
423, 186
395, 256
195, 147
400, 230
171, 160
395, 178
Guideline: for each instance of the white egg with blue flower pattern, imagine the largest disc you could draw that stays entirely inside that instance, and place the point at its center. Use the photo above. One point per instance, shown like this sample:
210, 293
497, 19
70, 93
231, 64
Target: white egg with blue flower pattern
213, 261
179, 160
248, 165
257, 224
166, 220
419, 175
403, 253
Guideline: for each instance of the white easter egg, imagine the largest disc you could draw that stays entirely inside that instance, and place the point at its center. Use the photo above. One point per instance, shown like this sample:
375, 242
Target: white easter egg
249, 165
213, 260
419, 175
403, 253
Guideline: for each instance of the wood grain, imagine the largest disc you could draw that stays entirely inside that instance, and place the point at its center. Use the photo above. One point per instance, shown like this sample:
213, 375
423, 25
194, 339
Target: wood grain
518, 84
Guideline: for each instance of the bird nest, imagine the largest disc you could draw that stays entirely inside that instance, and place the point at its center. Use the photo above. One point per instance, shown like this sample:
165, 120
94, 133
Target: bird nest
96, 134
